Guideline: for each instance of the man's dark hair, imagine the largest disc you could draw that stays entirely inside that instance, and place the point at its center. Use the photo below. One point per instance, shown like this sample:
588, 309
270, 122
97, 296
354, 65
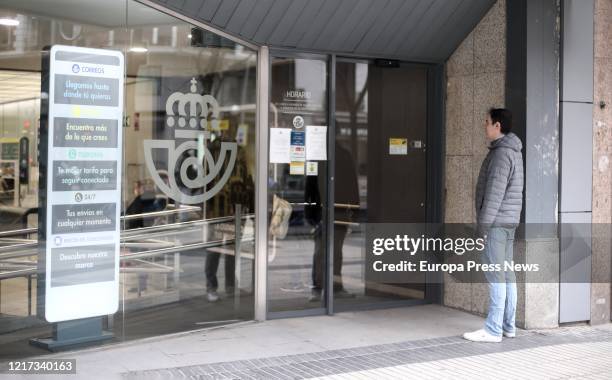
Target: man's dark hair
503, 117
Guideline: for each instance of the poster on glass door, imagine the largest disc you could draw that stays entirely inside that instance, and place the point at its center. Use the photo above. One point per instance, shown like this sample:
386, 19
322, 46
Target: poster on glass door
80, 196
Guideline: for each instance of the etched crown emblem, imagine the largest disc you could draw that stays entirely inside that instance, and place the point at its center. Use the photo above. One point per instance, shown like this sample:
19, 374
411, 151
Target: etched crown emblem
189, 114
192, 110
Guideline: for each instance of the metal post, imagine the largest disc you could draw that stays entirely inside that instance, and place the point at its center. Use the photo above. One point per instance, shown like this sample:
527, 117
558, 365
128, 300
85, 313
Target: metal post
261, 186
29, 294
331, 139
237, 266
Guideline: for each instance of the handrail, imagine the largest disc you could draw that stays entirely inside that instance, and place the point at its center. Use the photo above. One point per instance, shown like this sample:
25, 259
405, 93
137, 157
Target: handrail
25, 231
181, 248
16, 240
8, 248
134, 231
345, 223
174, 249
160, 213
12, 255
346, 205
136, 255
339, 205
17, 262
17, 273
176, 228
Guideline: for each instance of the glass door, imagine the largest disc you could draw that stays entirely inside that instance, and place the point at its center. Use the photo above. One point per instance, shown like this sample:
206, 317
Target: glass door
380, 172
298, 181
187, 209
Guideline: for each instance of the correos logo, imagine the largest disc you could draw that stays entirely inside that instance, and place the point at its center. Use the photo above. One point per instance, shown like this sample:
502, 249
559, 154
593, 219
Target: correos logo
188, 114
87, 69
92, 69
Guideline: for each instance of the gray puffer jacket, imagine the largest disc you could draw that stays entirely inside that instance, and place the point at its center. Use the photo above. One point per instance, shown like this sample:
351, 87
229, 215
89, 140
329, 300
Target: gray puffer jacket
499, 191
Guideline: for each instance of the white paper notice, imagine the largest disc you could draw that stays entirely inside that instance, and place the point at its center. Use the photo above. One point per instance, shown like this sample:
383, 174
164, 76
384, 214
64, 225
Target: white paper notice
280, 145
316, 142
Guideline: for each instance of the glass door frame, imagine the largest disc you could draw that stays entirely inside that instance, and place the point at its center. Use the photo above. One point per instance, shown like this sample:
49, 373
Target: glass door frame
434, 172
325, 309
435, 179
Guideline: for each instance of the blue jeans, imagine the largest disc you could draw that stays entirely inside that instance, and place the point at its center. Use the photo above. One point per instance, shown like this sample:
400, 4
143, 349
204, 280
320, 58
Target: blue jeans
502, 284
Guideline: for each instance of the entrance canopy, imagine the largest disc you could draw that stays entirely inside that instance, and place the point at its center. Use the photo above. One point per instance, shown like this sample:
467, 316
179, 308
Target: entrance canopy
413, 30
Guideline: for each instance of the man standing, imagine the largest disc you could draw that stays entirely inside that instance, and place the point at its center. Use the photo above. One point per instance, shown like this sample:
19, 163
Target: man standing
499, 200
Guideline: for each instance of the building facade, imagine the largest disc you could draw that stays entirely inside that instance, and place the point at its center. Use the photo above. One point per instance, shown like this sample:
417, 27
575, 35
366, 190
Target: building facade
260, 138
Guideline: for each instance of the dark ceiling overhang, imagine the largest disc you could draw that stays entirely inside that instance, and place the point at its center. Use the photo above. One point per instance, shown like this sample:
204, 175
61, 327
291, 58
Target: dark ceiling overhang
411, 30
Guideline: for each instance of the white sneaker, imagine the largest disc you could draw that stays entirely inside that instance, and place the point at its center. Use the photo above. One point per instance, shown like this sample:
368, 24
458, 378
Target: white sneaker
509, 334
212, 296
482, 336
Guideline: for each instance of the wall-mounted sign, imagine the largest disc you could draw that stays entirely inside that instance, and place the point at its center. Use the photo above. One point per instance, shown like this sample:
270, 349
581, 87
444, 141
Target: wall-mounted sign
80, 194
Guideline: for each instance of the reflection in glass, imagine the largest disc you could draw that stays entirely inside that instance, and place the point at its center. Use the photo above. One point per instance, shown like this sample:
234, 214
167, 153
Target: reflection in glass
374, 104
189, 159
189, 138
296, 253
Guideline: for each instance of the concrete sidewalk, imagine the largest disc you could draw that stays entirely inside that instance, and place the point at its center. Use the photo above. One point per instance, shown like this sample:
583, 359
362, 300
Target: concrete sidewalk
367, 344
568, 353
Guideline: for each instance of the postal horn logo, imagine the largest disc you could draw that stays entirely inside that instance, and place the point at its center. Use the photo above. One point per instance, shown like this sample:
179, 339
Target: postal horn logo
188, 115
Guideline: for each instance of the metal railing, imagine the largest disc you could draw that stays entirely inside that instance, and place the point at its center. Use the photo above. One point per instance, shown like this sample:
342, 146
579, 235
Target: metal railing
155, 214
148, 233
349, 207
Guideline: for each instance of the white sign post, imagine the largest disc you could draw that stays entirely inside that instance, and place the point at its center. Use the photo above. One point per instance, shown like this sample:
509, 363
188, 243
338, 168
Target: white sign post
80, 187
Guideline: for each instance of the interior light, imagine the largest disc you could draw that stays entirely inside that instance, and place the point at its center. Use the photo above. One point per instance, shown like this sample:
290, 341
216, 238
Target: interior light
139, 49
9, 22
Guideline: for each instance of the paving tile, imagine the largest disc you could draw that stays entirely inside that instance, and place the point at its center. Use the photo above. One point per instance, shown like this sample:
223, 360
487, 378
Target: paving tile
564, 352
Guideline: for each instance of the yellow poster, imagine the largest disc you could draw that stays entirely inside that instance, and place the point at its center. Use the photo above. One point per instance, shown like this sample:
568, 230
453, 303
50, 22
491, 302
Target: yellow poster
398, 146
296, 168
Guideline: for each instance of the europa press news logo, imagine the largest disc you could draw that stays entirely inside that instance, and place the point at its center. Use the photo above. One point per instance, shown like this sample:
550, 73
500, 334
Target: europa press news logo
182, 115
